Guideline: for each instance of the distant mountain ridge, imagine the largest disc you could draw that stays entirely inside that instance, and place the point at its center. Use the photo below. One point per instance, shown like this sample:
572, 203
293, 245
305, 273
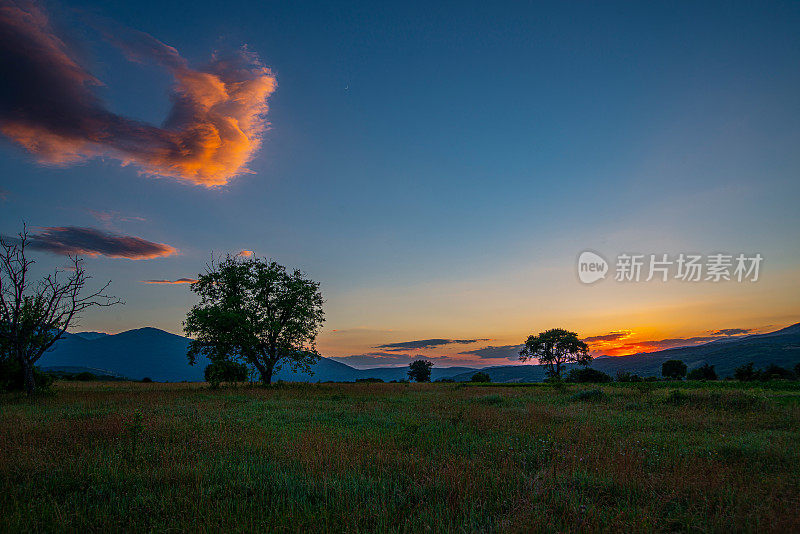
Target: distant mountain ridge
781, 347
161, 356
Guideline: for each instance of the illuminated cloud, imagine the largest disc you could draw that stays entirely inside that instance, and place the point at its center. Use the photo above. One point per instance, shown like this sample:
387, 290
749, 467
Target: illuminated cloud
611, 336
385, 359
178, 281
245, 253
732, 331
93, 242
425, 344
509, 352
48, 106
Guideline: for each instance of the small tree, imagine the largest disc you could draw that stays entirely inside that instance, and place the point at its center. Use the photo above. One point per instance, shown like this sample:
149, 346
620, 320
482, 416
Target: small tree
674, 369
746, 373
253, 310
420, 370
704, 372
481, 376
556, 348
34, 314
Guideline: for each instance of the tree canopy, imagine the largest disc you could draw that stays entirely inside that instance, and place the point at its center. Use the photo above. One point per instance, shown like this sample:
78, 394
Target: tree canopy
555, 348
420, 370
253, 310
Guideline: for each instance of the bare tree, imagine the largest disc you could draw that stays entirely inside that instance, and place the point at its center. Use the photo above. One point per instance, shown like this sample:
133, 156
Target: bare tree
34, 314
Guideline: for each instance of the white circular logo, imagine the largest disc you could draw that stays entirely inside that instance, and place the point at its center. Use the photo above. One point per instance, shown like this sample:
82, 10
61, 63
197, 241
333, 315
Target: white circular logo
591, 267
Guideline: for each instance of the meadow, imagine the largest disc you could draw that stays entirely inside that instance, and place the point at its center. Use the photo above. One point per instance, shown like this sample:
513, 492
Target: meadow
119, 456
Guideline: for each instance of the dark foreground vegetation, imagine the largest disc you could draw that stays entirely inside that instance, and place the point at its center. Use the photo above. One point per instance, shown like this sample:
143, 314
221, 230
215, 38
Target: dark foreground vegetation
632, 457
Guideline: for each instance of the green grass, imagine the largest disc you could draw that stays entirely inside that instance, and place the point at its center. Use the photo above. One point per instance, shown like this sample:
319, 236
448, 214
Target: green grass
401, 458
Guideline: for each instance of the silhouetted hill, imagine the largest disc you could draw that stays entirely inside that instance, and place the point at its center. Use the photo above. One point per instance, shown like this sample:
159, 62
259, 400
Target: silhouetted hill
150, 352
781, 347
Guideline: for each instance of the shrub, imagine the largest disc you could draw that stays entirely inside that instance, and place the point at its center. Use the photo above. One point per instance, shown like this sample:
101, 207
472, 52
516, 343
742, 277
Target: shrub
86, 376
704, 372
674, 369
369, 380
675, 397
746, 373
147, 380
776, 372
12, 378
225, 371
588, 375
625, 376
442, 380
480, 377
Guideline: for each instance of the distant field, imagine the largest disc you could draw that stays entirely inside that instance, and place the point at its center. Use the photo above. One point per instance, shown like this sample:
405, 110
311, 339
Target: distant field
402, 457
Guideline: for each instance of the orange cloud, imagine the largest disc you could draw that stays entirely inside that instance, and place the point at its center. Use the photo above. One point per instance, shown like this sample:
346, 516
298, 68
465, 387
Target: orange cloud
73, 240
245, 253
213, 130
178, 281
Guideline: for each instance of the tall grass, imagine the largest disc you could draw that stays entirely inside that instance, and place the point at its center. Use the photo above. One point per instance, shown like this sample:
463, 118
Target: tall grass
400, 458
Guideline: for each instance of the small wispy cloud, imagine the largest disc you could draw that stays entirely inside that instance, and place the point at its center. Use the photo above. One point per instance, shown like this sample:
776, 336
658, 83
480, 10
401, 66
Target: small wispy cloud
383, 359
509, 352
74, 240
178, 281
732, 331
426, 344
245, 253
111, 217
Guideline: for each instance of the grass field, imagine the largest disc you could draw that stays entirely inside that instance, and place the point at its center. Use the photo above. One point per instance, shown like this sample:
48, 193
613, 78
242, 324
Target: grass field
402, 458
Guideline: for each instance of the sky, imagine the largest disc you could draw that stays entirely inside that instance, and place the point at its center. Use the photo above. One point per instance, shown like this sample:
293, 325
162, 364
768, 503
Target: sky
437, 168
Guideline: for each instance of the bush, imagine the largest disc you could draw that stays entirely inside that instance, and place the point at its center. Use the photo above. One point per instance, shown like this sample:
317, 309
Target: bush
588, 375
225, 371
625, 376
674, 369
776, 372
746, 373
704, 372
86, 376
441, 380
675, 397
147, 380
480, 377
369, 380
13, 379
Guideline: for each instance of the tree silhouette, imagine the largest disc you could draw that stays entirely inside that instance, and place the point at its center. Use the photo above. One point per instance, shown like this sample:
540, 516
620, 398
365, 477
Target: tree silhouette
420, 370
556, 348
34, 314
674, 369
253, 310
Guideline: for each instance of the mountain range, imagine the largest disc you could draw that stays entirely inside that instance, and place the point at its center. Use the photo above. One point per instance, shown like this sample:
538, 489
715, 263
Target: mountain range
161, 356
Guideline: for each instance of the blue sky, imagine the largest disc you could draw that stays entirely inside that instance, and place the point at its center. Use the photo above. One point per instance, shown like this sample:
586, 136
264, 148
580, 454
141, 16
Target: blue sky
439, 168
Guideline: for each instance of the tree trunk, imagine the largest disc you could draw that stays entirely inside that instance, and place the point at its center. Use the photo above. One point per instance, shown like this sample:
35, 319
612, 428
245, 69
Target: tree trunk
266, 374
30, 383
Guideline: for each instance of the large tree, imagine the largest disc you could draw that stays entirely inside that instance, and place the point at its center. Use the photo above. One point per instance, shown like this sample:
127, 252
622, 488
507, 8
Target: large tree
35, 313
555, 348
255, 311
